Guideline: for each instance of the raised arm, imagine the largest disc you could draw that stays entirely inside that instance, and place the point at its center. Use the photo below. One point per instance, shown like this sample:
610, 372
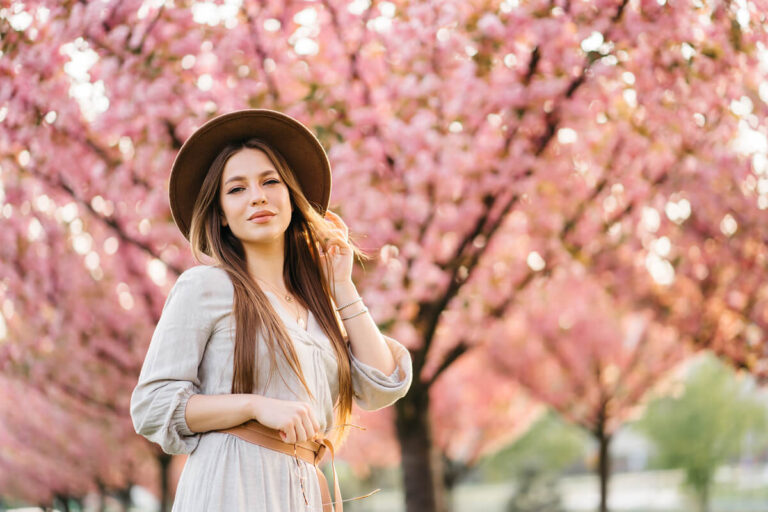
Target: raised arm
381, 367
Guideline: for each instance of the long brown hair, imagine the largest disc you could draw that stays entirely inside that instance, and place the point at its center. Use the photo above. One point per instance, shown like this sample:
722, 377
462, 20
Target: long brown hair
302, 275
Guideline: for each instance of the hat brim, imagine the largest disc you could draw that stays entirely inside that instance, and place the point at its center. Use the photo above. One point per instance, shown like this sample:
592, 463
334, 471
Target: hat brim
294, 141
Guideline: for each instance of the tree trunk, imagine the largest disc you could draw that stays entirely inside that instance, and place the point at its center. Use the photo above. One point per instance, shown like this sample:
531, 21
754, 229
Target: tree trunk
604, 468
63, 502
102, 505
123, 497
453, 473
165, 493
704, 498
422, 467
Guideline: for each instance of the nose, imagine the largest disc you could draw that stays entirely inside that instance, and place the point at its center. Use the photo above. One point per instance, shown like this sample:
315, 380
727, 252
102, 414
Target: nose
258, 196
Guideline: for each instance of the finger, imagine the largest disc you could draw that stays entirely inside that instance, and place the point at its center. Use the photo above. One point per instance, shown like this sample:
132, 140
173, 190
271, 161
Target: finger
335, 247
344, 231
327, 249
339, 222
334, 235
309, 428
340, 233
301, 432
288, 435
315, 424
326, 242
336, 220
332, 222
332, 216
338, 239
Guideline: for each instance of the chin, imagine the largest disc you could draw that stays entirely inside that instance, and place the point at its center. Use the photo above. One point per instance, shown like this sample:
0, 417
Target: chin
263, 238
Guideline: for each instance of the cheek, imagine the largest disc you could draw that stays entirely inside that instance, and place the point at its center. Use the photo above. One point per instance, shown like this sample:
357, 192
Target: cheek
286, 208
287, 198
226, 207
282, 198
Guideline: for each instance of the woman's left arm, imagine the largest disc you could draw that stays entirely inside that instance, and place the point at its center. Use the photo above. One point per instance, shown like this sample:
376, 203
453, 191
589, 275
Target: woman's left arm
382, 370
365, 339
381, 367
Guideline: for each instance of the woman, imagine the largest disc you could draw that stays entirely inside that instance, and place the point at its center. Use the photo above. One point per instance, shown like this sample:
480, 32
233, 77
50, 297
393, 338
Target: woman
248, 369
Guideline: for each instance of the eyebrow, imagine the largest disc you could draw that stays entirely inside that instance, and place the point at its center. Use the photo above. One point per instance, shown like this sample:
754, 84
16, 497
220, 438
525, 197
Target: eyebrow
238, 178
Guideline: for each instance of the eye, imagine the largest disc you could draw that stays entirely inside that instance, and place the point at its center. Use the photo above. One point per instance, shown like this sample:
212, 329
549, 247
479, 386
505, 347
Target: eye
235, 189
271, 181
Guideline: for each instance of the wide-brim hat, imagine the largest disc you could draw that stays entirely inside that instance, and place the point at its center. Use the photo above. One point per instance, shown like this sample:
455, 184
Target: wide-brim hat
294, 141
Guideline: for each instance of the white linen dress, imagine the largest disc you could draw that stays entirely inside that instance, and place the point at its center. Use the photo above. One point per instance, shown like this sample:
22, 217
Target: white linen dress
191, 352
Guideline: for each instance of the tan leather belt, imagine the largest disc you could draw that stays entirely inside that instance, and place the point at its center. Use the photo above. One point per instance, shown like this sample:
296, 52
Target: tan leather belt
309, 451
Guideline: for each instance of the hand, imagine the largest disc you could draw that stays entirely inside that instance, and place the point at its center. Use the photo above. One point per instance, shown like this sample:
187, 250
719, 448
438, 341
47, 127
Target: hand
335, 251
294, 420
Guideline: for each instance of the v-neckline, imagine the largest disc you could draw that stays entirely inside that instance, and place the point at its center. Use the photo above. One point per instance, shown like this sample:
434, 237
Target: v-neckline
285, 314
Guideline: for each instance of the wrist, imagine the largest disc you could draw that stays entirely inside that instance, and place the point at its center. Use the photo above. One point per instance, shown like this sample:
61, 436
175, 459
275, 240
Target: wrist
254, 407
344, 292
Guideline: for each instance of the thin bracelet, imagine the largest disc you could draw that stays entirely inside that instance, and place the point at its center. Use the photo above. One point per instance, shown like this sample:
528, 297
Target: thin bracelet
364, 310
349, 304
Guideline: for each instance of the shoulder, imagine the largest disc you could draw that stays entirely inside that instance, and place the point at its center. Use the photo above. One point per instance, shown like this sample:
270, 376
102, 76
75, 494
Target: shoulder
203, 273
204, 280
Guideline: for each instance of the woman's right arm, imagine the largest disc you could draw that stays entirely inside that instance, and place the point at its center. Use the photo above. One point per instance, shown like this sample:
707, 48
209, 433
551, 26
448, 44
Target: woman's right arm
294, 420
169, 374
167, 406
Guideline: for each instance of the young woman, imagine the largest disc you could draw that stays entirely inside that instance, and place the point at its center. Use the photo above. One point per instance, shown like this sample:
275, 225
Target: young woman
256, 359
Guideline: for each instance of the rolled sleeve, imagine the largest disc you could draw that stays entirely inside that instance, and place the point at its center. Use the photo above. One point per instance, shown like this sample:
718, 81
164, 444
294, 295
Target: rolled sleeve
164, 422
372, 388
169, 375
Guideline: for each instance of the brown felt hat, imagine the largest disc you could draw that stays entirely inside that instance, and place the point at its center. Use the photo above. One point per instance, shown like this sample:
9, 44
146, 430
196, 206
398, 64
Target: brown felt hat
294, 141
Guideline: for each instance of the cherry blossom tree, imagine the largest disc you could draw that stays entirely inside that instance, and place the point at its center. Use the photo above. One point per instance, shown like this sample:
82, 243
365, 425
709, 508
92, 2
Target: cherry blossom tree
575, 348
480, 149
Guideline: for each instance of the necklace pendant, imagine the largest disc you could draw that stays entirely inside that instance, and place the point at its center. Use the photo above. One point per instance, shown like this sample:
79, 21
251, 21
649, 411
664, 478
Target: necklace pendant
288, 298
300, 322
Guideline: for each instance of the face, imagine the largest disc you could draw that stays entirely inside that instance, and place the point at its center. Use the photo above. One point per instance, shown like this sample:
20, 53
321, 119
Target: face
254, 198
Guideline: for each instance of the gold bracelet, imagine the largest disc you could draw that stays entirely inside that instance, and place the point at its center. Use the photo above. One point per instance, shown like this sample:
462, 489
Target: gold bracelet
364, 310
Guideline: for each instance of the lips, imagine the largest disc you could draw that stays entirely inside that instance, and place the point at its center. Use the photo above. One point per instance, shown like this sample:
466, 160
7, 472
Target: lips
261, 216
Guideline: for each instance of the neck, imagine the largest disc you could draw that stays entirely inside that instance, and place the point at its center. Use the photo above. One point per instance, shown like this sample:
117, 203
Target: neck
265, 262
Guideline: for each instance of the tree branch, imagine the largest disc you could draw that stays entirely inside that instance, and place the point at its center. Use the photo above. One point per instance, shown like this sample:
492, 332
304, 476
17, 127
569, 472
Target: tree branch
449, 359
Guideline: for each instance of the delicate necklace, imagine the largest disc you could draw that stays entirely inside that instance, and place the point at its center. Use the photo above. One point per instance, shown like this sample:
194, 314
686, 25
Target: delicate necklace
289, 299
287, 296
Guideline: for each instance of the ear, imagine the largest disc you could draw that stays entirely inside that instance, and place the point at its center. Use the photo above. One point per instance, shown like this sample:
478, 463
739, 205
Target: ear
223, 219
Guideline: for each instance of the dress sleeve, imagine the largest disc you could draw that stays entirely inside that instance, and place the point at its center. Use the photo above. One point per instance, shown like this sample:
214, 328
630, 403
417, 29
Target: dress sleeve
169, 375
372, 389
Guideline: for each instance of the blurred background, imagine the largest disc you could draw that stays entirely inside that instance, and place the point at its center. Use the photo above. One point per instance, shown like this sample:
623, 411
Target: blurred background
564, 201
